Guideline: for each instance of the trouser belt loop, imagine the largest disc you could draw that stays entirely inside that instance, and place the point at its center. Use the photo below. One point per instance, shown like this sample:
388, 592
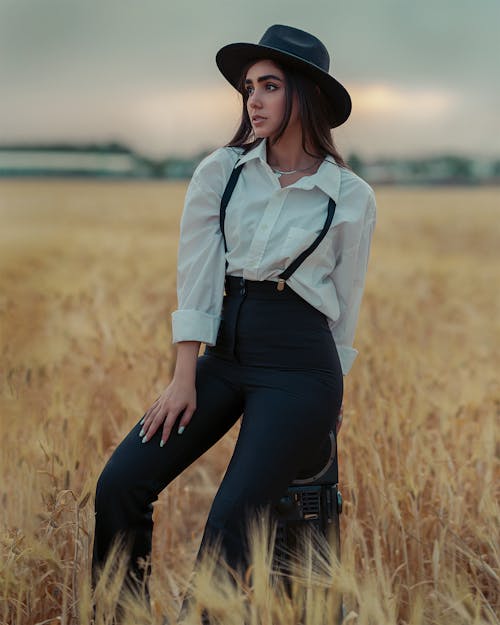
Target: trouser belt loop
281, 284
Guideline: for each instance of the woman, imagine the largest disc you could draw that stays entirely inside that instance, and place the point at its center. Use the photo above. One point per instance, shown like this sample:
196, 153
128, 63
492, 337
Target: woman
274, 245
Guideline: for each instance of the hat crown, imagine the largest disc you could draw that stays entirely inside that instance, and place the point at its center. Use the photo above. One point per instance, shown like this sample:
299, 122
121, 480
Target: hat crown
297, 50
297, 42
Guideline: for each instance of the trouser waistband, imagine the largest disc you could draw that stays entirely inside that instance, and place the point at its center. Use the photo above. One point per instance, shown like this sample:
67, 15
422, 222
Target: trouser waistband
242, 286
263, 327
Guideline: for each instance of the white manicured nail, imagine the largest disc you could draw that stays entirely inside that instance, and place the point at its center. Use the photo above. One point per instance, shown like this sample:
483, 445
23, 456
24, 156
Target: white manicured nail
142, 420
162, 443
141, 433
145, 439
181, 429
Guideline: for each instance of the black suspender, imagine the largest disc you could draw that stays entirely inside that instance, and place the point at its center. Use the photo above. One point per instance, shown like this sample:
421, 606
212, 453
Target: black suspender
303, 255
226, 196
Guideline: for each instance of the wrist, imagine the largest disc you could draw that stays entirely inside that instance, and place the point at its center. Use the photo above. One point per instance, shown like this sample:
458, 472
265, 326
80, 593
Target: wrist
186, 359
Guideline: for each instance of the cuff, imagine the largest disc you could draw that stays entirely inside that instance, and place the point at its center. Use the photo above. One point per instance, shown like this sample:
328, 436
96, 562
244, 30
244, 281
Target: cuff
347, 356
194, 325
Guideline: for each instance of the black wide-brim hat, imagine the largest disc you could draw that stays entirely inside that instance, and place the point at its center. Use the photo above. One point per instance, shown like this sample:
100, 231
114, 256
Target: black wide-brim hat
297, 49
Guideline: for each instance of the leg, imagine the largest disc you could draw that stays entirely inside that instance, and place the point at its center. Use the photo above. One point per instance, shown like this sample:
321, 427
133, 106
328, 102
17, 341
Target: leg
136, 473
287, 416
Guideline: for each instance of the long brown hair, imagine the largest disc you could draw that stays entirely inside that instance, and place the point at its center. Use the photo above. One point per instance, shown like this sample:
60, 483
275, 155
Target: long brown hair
313, 109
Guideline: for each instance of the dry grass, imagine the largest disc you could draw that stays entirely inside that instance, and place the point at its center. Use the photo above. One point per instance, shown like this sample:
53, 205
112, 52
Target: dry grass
86, 290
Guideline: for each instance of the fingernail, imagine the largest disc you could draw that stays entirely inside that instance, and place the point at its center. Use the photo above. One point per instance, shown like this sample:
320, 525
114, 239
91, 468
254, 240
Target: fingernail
141, 433
181, 429
162, 442
145, 439
142, 420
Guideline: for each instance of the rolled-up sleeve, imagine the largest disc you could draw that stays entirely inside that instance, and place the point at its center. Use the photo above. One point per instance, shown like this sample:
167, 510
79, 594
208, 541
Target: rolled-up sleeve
349, 279
200, 258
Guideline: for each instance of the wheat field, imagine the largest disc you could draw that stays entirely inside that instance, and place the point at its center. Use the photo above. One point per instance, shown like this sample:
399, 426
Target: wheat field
87, 286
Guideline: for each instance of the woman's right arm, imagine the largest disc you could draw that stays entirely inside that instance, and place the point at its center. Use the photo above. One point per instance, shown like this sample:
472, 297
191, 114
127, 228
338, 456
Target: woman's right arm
200, 289
179, 396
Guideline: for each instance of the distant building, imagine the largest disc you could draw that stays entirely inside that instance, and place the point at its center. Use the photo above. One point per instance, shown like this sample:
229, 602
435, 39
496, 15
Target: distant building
432, 170
112, 160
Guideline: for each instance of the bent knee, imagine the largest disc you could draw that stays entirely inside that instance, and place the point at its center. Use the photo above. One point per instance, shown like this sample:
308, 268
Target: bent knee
119, 487
112, 485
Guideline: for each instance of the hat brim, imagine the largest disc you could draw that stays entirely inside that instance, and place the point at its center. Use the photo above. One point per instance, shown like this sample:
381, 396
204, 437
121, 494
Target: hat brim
232, 58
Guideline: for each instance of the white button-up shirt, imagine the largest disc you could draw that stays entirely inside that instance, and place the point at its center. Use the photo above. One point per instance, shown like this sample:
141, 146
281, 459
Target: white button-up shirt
266, 228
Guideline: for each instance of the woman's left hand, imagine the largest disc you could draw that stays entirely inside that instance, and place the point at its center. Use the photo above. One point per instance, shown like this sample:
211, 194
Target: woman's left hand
340, 417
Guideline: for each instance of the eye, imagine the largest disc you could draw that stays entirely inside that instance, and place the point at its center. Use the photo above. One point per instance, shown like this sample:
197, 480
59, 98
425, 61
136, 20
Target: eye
269, 84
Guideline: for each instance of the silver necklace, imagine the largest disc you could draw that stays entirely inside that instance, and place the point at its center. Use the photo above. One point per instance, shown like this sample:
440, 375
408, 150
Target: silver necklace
293, 171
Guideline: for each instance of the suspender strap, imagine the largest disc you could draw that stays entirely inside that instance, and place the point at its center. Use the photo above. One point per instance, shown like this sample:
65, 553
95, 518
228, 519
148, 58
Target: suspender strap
301, 257
226, 196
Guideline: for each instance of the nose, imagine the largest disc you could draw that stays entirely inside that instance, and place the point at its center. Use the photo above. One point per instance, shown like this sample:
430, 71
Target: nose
254, 100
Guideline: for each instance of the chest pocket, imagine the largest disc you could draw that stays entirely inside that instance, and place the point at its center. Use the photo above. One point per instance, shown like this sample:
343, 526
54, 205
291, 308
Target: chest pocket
298, 240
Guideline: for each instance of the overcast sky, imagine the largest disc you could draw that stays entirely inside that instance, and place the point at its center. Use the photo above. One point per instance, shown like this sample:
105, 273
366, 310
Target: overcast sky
423, 76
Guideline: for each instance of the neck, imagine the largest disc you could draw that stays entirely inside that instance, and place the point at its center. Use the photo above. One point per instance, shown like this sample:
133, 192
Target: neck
288, 154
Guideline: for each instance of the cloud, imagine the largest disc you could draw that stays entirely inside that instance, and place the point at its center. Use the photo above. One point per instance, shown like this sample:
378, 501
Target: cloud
186, 120
388, 100
145, 72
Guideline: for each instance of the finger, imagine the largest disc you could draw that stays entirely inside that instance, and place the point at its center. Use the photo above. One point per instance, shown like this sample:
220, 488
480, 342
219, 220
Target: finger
152, 426
146, 422
167, 426
149, 418
186, 418
153, 423
146, 415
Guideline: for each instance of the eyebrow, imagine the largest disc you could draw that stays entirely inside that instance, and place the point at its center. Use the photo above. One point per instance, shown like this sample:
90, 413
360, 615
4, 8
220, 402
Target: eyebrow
266, 77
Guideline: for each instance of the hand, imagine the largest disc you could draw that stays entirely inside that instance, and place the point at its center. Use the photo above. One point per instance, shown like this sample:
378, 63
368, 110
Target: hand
179, 396
340, 417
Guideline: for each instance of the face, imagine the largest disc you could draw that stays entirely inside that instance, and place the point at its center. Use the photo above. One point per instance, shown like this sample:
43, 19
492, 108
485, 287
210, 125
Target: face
265, 86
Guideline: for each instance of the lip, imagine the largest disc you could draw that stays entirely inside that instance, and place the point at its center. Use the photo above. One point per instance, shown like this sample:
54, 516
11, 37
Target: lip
258, 119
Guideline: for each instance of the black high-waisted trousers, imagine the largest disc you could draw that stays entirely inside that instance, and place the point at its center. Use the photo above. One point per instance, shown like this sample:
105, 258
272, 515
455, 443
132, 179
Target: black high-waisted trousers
276, 364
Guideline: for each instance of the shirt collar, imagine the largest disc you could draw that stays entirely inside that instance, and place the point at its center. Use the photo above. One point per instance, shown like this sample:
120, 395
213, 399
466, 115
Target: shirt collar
327, 178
